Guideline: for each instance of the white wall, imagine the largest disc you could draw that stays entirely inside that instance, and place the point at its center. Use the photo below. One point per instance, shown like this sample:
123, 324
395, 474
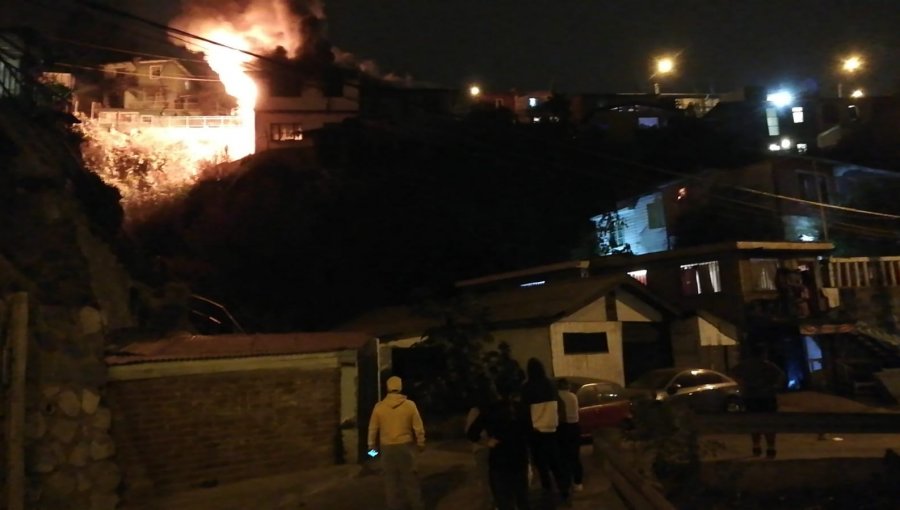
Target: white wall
637, 232
605, 366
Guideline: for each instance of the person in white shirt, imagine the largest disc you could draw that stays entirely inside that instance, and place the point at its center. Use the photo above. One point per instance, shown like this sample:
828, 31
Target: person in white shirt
569, 432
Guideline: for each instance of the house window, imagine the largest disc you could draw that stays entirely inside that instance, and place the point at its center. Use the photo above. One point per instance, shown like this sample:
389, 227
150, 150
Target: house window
155, 72
585, 343
287, 132
772, 121
126, 118
146, 120
639, 275
532, 102
701, 278
797, 113
655, 218
187, 85
648, 122
762, 272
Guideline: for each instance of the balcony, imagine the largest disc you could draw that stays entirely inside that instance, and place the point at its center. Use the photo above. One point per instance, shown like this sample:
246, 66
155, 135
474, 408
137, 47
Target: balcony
856, 272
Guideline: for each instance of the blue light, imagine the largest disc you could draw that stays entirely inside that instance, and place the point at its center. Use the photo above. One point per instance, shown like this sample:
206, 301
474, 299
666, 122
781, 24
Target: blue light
781, 98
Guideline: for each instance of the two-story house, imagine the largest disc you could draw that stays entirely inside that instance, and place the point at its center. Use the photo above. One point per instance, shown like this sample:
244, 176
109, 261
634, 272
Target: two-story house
789, 196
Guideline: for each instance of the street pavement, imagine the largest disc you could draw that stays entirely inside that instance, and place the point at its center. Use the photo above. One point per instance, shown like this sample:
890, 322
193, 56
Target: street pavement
445, 469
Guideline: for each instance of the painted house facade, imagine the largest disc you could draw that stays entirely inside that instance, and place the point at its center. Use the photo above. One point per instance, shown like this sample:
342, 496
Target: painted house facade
608, 327
784, 189
289, 106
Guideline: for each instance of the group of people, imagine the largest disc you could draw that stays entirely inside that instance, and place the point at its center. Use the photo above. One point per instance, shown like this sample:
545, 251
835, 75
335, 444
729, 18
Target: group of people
512, 430
515, 431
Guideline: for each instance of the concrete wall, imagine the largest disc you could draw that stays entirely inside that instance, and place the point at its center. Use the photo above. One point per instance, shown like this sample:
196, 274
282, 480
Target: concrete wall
179, 425
603, 365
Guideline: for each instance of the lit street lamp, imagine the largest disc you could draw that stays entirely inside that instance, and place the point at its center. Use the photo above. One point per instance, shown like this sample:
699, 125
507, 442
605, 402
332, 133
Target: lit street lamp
850, 66
474, 91
856, 94
664, 66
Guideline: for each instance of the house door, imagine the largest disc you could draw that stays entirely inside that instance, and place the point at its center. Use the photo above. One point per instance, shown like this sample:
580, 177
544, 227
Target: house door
645, 346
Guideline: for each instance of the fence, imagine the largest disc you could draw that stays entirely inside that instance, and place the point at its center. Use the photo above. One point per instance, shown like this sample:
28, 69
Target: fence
863, 272
135, 120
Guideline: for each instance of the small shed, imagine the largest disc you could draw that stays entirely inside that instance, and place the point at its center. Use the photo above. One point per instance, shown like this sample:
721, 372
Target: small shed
191, 411
610, 327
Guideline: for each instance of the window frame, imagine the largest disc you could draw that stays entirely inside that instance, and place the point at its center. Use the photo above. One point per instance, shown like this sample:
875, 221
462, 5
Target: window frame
157, 76
714, 271
577, 343
277, 131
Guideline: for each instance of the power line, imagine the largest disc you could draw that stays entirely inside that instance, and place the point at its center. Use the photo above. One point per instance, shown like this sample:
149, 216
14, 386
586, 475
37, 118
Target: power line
127, 73
121, 50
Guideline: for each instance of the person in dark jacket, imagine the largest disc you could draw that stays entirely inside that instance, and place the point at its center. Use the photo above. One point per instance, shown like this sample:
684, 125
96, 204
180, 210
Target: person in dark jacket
544, 407
760, 382
503, 428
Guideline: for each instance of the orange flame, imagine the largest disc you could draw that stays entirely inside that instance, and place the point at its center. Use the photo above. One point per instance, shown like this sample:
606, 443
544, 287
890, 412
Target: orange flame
260, 28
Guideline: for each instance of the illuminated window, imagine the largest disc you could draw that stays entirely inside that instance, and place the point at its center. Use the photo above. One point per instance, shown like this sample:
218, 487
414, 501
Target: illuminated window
639, 275
701, 278
763, 273
126, 118
772, 121
146, 120
648, 122
801, 147
797, 113
287, 132
532, 102
155, 72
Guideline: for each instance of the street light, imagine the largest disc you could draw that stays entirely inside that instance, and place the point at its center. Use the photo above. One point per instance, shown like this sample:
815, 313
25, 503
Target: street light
474, 91
849, 66
856, 94
664, 66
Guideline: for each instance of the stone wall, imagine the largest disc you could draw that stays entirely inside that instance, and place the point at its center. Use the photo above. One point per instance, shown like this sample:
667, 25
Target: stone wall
189, 431
56, 225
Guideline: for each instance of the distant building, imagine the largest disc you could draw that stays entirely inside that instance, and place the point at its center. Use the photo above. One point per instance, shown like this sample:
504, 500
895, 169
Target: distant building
787, 189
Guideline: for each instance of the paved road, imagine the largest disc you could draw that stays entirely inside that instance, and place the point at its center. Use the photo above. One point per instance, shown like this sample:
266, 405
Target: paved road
446, 485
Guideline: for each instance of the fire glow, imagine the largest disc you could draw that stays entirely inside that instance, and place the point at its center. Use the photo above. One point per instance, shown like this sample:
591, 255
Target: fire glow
261, 27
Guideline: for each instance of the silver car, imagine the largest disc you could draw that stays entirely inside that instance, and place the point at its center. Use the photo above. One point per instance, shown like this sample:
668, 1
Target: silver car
700, 389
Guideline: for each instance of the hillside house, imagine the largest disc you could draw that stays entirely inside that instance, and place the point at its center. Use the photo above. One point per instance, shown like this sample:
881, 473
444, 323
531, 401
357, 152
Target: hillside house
646, 221
610, 327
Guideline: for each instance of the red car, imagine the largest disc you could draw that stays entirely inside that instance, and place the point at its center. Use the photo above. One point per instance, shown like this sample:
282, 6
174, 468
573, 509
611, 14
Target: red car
601, 403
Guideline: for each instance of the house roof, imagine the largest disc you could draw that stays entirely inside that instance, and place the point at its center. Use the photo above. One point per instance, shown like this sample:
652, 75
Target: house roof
541, 304
198, 347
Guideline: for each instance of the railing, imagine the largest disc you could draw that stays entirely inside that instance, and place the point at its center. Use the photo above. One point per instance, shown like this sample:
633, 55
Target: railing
863, 272
134, 120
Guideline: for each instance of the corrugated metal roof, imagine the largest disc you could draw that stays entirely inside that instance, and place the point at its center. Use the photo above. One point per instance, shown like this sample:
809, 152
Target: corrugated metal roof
197, 347
540, 303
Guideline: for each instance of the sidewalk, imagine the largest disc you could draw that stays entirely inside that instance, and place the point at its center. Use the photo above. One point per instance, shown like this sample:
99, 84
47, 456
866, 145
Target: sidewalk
445, 470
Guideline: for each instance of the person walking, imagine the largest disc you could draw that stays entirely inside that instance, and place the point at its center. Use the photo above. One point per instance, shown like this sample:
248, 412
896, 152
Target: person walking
760, 380
395, 426
481, 476
542, 399
570, 435
503, 427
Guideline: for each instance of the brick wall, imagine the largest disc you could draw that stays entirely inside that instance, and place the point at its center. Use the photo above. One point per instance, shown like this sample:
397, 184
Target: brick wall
187, 431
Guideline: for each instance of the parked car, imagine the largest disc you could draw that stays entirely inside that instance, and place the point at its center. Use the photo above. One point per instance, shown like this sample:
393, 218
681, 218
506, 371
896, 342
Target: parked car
601, 403
700, 389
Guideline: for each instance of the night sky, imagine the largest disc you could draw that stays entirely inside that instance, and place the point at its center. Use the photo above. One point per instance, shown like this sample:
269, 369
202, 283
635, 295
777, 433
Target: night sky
608, 45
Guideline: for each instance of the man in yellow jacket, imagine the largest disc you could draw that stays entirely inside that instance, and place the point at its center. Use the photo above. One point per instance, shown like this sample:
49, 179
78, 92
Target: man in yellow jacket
394, 426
